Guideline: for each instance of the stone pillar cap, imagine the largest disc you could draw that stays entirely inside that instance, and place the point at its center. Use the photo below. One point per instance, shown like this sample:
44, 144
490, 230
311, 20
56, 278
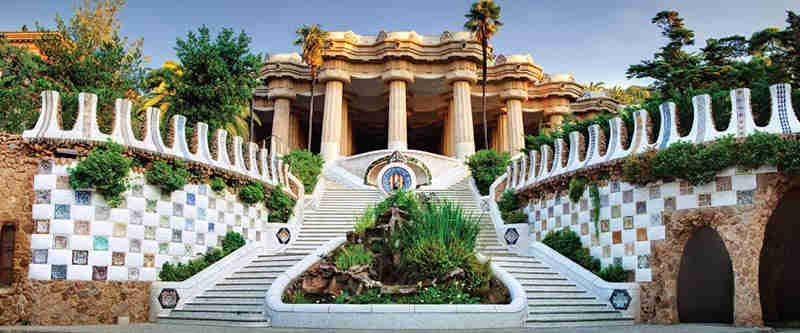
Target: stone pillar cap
334, 75
398, 75
278, 93
461, 75
508, 94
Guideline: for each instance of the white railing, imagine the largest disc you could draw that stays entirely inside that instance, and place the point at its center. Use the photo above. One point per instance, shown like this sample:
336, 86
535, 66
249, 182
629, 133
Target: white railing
260, 164
540, 166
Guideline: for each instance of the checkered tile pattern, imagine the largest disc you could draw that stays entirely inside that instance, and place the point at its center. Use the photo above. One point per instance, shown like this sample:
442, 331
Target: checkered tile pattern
78, 237
631, 217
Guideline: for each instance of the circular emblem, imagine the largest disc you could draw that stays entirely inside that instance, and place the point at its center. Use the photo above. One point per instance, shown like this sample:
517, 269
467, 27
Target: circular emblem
395, 178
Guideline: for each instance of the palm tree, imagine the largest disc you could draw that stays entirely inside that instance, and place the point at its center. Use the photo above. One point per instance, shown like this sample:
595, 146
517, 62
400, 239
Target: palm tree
595, 86
483, 21
312, 38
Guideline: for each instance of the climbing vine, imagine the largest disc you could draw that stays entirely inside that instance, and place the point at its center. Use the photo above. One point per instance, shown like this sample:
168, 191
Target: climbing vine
594, 194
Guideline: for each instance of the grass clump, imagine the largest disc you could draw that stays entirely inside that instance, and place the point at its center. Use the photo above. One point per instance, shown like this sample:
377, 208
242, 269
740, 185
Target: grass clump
181, 272
366, 220
353, 255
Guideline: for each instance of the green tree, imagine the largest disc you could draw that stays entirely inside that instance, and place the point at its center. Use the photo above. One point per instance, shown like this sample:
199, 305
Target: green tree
311, 38
781, 47
21, 81
217, 77
483, 19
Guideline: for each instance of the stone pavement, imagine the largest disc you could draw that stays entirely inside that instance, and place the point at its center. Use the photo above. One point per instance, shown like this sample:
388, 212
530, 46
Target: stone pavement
154, 328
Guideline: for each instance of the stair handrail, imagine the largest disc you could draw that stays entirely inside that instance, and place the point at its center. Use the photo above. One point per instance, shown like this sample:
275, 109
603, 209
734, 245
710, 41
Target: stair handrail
585, 279
190, 288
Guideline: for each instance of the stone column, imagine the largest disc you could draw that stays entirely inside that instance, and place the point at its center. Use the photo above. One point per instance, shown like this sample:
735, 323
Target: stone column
282, 93
344, 148
501, 133
447, 132
514, 94
462, 129
332, 120
398, 136
398, 77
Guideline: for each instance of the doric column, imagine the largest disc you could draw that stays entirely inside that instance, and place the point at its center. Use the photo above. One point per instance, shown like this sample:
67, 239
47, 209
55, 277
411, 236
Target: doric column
332, 120
501, 133
344, 148
282, 93
461, 78
397, 76
447, 131
514, 94
334, 80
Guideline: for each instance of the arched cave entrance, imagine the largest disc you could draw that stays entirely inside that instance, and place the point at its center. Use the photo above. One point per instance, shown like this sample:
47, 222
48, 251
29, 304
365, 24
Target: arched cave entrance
705, 280
779, 274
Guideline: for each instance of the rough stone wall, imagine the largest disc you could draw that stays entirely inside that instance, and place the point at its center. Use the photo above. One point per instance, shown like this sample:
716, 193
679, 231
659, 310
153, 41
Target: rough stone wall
742, 230
51, 302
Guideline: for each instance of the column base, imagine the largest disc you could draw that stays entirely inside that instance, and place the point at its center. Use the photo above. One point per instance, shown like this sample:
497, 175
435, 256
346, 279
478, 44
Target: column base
464, 149
398, 145
329, 150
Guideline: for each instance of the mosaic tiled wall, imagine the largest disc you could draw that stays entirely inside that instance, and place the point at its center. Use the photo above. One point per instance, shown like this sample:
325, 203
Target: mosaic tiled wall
631, 217
77, 236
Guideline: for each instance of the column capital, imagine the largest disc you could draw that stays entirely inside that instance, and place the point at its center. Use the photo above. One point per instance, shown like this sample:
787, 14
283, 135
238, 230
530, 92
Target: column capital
331, 74
513, 94
398, 75
461, 75
282, 92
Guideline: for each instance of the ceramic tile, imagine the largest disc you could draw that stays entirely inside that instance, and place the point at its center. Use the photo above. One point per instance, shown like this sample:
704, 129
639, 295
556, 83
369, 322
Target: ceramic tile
704, 200
100, 243
614, 187
641, 234
604, 226
584, 229
641, 207
149, 232
744, 197
58, 272
152, 206
190, 199
177, 209
118, 259
627, 196
655, 192
163, 248
62, 183
99, 273
189, 225
102, 213
616, 211
724, 184
149, 260
61, 212
45, 167
40, 256
163, 221
137, 217
176, 235
686, 188
616, 237
80, 257
83, 198
584, 205
211, 227
643, 261
42, 196
60, 241
135, 246
656, 219
629, 249
627, 222
42, 226
133, 274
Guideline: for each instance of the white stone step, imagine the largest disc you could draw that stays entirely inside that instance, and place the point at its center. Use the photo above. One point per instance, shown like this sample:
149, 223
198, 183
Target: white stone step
224, 286
220, 323
576, 317
565, 302
246, 316
224, 307
228, 300
219, 293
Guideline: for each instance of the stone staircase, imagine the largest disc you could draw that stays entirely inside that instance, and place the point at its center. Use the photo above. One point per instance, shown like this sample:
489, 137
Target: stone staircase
238, 299
553, 300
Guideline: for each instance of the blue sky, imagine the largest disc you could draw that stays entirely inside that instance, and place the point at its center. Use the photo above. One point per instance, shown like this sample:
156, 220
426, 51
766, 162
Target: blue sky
595, 40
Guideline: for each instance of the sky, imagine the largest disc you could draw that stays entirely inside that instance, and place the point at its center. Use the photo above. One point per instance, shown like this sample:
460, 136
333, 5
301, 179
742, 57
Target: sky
596, 40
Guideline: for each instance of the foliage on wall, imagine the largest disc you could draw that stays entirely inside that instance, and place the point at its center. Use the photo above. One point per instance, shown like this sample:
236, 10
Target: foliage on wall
280, 205
181, 272
568, 243
306, 166
510, 207
169, 177
486, 165
104, 169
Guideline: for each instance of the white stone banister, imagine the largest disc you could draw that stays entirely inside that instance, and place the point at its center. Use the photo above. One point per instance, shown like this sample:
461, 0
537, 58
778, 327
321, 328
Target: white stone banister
549, 161
86, 128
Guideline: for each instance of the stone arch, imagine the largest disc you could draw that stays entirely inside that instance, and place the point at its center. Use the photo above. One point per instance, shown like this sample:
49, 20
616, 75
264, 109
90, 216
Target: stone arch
7, 235
779, 280
705, 280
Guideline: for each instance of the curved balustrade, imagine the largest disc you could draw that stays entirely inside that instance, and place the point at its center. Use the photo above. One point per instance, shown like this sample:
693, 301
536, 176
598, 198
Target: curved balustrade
261, 165
539, 166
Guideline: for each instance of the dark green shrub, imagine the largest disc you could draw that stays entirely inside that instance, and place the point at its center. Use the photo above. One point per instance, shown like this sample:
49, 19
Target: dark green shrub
181, 272
577, 186
306, 166
217, 184
517, 216
279, 204
105, 170
251, 193
787, 157
510, 208
365, 220
486, 165
638, 168
232, 242
613, 273
564, 241
594, 194
168, 177
353, 255
757, 149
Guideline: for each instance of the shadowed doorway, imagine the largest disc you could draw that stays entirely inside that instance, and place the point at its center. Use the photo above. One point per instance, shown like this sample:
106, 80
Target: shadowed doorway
705, 280
779, 273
